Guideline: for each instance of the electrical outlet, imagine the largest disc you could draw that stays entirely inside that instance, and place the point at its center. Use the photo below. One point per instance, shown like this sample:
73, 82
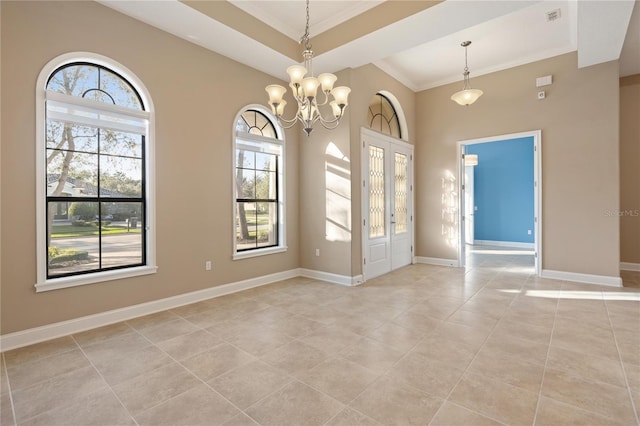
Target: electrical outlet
529, 232
317, 252
207, 265
541, 95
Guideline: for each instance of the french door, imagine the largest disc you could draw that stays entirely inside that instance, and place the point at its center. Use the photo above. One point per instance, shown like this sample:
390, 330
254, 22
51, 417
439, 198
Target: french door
387, 171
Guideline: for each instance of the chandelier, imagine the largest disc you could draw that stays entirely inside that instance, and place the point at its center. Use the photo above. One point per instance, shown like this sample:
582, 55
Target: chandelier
467, 95
305, 90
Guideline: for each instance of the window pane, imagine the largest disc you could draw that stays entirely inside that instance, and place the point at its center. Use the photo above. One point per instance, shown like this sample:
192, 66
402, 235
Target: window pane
73, 137
382, 116
122, 237
122, 93
376, 192
266, 161
94, 83
72, 174
247, 183
266, 219
401, 193
257, 123
120, 177
60, 211
265, 185
120, 143
74, 80
245, 225
74, 244
245, 159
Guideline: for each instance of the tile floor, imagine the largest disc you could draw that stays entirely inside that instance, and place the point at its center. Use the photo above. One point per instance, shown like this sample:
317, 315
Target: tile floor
423, 345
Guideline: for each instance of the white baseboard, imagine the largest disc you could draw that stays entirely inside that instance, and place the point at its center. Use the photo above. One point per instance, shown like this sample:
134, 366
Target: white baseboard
582, 278
76, 325
437, 261
332, 278
511, 244
626, 266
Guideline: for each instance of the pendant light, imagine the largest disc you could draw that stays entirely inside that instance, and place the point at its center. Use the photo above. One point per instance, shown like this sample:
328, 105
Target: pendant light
467, 95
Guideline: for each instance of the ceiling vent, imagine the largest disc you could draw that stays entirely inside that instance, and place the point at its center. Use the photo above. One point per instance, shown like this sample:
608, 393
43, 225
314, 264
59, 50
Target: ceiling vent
553, 15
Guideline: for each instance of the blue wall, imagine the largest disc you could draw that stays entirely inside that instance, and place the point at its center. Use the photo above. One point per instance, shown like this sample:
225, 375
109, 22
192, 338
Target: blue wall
504, 191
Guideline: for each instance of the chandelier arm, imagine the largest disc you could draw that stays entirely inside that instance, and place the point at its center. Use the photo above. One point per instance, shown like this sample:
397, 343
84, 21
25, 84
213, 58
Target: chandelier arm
330, 125
326, 99
287, 124
324, 121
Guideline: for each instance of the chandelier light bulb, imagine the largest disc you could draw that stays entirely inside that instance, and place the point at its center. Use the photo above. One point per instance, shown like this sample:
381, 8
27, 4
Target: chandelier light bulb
276, 92
310, 87
296, 74
327, 80
341, 95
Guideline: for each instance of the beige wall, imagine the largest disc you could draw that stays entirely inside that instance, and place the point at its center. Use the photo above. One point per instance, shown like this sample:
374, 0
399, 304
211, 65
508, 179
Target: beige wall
193, 150
629, 170
580, 164
325, 203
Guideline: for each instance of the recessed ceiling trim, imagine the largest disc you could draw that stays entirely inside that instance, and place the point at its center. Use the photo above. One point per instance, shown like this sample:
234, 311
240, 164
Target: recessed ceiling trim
294, 32
173, 17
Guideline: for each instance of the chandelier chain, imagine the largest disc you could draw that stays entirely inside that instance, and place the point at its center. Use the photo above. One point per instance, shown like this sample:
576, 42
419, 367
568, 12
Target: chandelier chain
305, 36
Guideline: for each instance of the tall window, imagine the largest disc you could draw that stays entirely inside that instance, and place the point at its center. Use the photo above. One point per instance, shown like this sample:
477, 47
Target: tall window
96, 206
382, 116
258, 207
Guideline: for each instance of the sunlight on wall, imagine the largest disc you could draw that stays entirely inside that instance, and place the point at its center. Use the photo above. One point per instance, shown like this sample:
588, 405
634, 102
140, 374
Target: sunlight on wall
449, 201
338, 195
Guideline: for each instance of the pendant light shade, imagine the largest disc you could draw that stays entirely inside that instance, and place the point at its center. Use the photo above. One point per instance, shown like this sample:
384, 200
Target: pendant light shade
467, 96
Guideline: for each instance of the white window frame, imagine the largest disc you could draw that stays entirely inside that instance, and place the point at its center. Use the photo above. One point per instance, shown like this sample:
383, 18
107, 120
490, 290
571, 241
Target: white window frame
145, 118
280, 143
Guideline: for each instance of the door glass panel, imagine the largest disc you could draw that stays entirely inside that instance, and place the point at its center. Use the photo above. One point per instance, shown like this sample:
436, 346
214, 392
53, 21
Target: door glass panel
400, 186
376, 192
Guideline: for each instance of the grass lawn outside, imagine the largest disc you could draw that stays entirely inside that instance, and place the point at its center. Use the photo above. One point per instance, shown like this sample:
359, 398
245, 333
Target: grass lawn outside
68, 231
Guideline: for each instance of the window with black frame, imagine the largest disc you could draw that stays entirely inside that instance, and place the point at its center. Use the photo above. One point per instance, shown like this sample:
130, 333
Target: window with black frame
258, 183
96, 130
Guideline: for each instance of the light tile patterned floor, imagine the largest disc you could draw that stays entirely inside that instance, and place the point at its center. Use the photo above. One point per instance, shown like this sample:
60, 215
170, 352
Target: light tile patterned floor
423, 345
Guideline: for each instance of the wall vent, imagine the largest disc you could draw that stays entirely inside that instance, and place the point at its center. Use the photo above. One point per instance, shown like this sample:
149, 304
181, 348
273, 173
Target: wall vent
553, 15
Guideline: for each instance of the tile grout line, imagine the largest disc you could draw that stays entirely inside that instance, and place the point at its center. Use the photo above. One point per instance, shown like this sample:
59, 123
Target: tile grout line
105, 380
546, 361
624, 370
473, 359
9, 391
207, 384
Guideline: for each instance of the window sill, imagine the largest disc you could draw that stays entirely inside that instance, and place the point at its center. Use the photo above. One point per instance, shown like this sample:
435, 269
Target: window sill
98, 277
259, 252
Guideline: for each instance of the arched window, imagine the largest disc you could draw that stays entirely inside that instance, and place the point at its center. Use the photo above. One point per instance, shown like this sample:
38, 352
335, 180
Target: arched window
95, 210
258, 184
382, 116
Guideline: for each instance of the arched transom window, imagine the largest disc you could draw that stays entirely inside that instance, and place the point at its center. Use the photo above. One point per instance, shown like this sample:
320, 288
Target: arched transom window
382, 116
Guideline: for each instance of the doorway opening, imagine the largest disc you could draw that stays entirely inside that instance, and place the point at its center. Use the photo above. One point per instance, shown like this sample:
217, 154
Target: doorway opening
502, 223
